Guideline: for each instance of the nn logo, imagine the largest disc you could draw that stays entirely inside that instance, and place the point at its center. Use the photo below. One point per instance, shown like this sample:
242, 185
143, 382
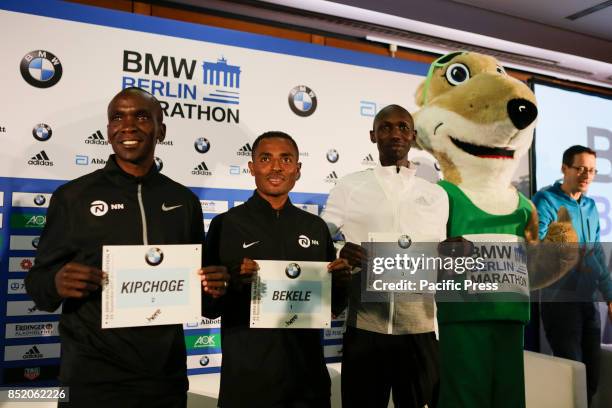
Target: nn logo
96, 139
40, 159
201, 170
332, 177
32, 353
368, 160
245, 150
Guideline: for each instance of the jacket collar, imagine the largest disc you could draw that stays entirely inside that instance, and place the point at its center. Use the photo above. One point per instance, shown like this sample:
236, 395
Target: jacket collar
117, 175
261, 204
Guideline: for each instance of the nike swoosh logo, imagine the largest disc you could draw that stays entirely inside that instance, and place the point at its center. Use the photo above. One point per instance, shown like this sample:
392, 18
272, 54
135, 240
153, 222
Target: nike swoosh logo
164, 208
245, 245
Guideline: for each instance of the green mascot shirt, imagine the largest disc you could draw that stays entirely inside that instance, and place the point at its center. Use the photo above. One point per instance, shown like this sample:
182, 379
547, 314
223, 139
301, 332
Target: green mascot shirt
469, 221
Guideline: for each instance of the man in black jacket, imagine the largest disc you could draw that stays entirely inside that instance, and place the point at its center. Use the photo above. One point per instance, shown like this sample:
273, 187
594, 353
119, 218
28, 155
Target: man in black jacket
128, 202
271, 368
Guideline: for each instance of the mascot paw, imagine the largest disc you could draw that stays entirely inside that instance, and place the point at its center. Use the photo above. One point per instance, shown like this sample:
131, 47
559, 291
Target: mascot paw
561, 231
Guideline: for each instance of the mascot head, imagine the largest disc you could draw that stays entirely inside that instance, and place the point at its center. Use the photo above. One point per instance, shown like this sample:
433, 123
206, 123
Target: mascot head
475, 119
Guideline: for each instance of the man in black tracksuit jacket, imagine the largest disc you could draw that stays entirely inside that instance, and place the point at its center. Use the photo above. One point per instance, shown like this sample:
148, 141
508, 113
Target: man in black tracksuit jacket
128, 202
271, 368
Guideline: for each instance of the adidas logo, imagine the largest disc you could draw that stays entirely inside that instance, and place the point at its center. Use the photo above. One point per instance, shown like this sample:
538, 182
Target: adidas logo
96, 138
368, 160
245, 150
332, 177
32, 353
41, 159
201, 170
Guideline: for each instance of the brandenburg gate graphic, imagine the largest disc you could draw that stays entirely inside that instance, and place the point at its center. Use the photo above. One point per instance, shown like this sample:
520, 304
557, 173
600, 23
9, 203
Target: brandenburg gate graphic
221, 74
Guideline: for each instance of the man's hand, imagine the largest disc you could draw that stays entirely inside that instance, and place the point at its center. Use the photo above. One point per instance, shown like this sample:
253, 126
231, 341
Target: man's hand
354, 254
215, 280
75, 280
341, 272
248, 268
456, 247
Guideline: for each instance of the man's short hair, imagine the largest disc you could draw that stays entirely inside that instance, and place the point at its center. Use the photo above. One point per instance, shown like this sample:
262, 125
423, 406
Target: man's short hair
277, 135
388, 109
146, 93
568, 155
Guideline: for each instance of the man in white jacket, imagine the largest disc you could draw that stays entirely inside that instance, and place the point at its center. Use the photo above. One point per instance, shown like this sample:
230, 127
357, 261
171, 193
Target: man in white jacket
388, 345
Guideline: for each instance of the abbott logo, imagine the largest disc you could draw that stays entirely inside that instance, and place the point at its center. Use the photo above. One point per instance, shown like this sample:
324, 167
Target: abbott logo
98, 208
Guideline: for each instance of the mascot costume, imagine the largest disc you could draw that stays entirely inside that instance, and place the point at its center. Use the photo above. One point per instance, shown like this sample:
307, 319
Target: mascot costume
478, 122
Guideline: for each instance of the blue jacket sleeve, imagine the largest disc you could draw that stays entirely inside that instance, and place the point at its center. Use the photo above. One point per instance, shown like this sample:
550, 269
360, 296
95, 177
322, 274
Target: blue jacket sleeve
599, 262
547, 213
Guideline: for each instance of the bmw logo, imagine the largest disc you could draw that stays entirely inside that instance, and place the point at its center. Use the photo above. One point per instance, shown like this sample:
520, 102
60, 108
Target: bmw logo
42, 132
41, 69
159, 164
202, 145
333, 155
293, 270
204, 361
302, 101
404, 241
40, 200
35, 242
154, 256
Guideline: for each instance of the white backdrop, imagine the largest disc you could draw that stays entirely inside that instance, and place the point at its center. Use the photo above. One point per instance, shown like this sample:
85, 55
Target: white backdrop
53, 126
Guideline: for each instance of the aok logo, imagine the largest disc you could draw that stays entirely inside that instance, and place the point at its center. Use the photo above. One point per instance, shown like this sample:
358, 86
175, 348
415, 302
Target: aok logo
203, 341
28, 220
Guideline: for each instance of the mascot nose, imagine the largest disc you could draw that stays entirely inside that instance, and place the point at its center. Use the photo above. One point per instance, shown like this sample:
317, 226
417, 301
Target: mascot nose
521, 112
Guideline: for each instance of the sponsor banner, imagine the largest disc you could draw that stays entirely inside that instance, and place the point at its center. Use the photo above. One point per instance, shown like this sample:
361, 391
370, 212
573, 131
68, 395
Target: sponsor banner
333, 333
1, 224
20, 264
24, 242
205, 360
207, 222
37, 200
16, 287
311, 208
28, 220
203, 341
204, 323
214, 206
31, 352
16, 375
1, 198
26, 308
332, 350
31, 329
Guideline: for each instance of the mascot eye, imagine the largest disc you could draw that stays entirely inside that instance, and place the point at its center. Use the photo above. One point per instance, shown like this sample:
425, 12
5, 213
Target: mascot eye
501, 70
457, 73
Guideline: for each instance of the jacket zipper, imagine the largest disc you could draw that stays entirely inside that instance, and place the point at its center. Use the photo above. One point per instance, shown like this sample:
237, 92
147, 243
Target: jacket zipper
145, 240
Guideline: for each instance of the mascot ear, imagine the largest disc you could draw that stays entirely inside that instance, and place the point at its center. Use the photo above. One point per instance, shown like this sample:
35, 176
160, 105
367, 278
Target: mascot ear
418, 95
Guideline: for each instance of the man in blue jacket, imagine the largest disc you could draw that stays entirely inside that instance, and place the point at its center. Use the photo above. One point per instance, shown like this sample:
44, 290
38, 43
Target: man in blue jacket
571, 319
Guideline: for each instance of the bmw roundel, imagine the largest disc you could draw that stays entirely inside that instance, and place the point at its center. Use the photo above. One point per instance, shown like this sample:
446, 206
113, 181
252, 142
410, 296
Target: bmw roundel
302, 101
159, 163
41, 69
42, 132
204, 360
404, 241
202, 145
40, 200
154, 256
293, 270
333, 155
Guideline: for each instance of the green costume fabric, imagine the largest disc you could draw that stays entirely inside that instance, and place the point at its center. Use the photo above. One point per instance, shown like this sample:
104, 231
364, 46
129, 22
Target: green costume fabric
481, 342
467, 219
481, 365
